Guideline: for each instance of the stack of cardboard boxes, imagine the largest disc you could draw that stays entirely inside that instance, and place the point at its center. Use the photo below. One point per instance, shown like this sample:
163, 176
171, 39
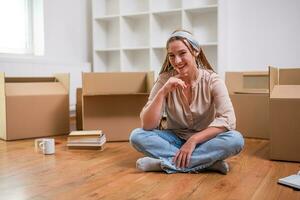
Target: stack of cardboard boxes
267, 105
285, 114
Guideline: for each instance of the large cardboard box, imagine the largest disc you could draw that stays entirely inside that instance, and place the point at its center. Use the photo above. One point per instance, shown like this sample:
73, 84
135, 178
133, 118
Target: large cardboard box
250, 98
113, 101
33, 106
285, 114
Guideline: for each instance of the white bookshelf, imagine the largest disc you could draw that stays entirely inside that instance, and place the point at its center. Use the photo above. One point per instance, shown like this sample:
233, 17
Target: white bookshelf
135, 31
108, 60
130, 35
135, 60
163, 24
164, 5
133, 6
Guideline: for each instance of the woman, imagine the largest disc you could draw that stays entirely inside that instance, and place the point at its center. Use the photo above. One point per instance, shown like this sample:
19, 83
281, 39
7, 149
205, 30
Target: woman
200, 118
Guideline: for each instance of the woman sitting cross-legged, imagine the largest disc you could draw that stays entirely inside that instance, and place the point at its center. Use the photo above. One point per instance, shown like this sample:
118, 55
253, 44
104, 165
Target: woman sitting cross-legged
200, 131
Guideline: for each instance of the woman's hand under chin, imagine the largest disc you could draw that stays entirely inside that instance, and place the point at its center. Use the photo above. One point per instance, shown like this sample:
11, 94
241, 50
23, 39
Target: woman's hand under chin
172, 84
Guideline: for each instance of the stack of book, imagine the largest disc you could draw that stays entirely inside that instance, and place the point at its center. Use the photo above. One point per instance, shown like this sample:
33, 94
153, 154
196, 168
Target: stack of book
87, 139
291, 181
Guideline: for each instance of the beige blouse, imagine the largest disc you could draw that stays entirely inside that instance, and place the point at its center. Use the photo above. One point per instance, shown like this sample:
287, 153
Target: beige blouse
210, 105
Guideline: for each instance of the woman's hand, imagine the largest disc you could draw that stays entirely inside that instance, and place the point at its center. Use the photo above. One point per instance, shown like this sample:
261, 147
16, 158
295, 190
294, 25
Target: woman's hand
172, 84
183, 156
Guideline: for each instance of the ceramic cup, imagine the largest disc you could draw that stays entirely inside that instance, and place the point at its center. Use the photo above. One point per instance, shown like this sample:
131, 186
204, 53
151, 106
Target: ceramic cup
45, 145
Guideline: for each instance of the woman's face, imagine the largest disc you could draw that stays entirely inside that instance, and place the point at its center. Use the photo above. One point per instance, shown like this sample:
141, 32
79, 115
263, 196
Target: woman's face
181, 58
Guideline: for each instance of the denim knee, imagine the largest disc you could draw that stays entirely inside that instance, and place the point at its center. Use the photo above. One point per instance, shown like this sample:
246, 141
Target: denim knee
237, 140
136, 137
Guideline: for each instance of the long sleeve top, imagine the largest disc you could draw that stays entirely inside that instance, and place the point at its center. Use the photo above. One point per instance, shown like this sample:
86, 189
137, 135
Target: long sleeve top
210, 105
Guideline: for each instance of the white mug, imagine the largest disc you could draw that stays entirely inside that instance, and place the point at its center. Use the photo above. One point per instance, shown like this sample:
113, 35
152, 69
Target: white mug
45, 145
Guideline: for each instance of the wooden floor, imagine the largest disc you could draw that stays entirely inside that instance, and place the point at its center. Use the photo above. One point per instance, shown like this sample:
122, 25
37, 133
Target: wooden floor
111, 174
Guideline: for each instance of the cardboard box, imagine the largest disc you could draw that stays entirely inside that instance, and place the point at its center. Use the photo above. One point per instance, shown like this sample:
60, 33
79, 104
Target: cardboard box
250, 98
284, 114
33, 106
113, 101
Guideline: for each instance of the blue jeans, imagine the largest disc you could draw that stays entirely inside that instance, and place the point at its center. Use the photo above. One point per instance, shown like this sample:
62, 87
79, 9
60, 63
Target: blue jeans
163, 145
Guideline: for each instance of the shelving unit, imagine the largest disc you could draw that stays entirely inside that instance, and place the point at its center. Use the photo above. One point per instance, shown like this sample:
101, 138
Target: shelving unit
164, 23
135, 31
135, 60
130, 35
108, 60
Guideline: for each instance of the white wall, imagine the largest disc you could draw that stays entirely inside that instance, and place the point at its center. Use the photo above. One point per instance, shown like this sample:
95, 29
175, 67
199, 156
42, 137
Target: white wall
258, 33
68, 44
68, 30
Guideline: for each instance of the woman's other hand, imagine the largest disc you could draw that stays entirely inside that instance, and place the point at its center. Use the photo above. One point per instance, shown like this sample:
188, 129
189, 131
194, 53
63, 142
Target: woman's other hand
183, 156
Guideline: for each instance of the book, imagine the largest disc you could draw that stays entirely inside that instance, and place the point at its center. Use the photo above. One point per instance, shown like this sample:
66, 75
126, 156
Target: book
86, 139
85, 133
292, 181
101, 148
99, 141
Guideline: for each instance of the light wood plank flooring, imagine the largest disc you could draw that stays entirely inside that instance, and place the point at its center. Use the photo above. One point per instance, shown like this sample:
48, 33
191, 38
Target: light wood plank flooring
111, 174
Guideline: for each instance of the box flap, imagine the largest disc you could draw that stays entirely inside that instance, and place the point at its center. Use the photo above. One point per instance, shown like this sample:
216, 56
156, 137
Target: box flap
150, 81
114, 83
289, 76
109, 94
256, 80
256, 73
29, 79
286, 92
252, 91
234, 81
37, 88
247, 82
2, 107
64, 79
273, 78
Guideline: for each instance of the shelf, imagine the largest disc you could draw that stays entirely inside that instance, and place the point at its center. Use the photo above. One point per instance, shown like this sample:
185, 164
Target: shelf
203, 9
131, 35
135, 60
136, 48
203, 25
107, 61
134, 6
135, 14
211, 53
167, 13
164, 5
106, 33
135, 31
105, 7
108, 49
107, 17
163, 25
158, 56
159, 46
197, 3
208, 44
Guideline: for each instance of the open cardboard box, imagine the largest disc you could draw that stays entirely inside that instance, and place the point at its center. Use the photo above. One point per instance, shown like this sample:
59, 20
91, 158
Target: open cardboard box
113, 101
285, 114
34, 106
249, 94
